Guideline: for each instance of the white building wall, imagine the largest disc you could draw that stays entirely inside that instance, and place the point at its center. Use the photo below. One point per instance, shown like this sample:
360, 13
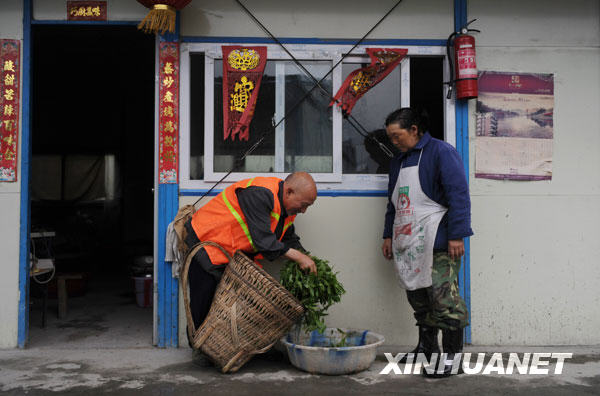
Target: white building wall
350, 19
11, 27
534, 260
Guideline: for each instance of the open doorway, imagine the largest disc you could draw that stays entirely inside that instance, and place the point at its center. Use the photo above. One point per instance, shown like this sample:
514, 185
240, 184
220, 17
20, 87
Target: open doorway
92, 179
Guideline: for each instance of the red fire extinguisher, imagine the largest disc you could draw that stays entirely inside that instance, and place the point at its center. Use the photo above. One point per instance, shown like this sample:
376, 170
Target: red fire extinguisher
464, 63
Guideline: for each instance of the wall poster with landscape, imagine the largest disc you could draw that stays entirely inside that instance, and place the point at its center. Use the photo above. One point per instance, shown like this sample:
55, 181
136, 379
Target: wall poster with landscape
514, 131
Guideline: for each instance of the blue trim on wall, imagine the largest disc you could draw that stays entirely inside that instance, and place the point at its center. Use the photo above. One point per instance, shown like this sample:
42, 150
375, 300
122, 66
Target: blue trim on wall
198, 193
65, 22
304, 40
462, 146
168, 288
321, 193
23, 311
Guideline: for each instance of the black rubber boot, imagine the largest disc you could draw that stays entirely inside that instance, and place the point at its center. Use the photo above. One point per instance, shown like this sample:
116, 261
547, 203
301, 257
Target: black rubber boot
428, 343
452, 341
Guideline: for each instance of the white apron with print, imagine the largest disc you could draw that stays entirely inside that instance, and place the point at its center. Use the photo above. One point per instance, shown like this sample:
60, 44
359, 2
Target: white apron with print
415, 226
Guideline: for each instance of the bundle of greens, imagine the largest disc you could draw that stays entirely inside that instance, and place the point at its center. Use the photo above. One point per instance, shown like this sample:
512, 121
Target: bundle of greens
316, 292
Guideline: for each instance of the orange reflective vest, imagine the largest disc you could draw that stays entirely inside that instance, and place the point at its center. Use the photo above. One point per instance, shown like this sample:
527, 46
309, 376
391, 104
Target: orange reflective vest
222, 221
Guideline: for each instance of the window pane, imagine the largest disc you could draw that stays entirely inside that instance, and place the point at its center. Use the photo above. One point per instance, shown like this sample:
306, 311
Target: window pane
361, 155
196, 116
427, 90
309, 127
225, 151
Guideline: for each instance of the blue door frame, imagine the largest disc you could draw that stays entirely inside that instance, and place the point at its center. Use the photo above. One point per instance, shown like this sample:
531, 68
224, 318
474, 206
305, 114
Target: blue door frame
166, 288
462, 146
167, 200
167, 300
25, 225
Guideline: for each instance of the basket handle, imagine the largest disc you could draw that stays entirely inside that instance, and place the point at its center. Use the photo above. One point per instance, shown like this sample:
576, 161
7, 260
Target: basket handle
241, 353
184, 280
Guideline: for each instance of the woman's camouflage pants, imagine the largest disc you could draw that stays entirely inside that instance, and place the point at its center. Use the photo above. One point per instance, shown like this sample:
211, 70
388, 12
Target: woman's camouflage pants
440, 305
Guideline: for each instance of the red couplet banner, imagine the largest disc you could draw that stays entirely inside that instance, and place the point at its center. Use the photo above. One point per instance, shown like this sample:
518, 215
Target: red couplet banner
168, 126
383, 61
10, 62
243, 68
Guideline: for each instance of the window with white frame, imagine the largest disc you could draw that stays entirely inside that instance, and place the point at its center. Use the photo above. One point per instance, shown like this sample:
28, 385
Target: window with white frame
312, 137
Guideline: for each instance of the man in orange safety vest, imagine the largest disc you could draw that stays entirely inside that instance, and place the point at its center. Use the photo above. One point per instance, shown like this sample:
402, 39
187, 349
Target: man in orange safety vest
253, 215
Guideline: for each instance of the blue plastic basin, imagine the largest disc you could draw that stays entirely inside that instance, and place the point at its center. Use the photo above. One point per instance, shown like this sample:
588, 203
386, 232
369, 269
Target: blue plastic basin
318, 354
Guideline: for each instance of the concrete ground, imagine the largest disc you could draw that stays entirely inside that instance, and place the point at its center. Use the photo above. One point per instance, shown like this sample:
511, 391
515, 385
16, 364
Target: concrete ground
104, 347
152, 371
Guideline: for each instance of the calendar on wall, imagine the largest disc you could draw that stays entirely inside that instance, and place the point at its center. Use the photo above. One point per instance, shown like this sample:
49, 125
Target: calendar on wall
515, 126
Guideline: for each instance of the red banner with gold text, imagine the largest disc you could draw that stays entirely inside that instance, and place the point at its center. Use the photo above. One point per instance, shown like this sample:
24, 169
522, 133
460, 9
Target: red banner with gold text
383, 61
10, 61
86, 11
168, 126
242, 73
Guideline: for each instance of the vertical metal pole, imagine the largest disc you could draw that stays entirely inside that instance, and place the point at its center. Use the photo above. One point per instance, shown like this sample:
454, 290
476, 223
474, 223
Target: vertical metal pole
279, 114
166, 287
462, 146
25, 226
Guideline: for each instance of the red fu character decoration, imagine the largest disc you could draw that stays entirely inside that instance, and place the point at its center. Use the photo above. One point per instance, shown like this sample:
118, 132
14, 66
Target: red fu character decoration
383, 61
242, 73
162, 15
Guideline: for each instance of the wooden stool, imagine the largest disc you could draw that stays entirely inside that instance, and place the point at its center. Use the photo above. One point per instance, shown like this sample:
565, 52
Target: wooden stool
61, 286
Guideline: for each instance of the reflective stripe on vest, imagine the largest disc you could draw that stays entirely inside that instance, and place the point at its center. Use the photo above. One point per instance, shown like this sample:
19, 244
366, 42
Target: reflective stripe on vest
286, 226
239, 219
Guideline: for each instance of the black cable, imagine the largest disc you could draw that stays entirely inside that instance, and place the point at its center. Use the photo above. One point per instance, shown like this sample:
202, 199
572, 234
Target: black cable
450, 65
364, 133
356, 124
275, 125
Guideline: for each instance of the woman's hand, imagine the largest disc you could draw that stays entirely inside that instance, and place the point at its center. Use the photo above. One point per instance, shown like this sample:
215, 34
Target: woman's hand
456, 248
386, 248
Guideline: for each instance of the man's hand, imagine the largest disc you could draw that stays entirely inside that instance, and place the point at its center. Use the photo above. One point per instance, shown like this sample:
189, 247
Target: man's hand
304, 262
456, 248
386, 248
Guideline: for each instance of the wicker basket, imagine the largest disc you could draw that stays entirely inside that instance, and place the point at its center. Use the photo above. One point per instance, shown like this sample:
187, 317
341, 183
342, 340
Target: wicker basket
250, 312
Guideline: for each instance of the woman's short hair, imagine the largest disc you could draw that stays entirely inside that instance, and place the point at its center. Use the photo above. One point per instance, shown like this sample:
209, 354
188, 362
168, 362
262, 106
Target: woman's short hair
407, 117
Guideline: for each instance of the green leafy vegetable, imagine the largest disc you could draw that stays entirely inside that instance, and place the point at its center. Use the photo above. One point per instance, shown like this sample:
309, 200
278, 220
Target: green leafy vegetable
342, 342
316, 292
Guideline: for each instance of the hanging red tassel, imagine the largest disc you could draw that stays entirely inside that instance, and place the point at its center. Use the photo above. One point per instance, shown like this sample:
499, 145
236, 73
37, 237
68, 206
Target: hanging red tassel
383, 61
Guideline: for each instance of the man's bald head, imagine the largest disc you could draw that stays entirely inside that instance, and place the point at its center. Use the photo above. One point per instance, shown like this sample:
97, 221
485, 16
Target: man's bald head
299, 192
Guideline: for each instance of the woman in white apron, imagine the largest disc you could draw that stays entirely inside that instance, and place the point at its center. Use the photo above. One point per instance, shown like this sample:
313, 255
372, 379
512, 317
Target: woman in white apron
427, 218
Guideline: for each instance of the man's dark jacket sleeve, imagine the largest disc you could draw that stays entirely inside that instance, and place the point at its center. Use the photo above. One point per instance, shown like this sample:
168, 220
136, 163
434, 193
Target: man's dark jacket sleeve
257, 204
